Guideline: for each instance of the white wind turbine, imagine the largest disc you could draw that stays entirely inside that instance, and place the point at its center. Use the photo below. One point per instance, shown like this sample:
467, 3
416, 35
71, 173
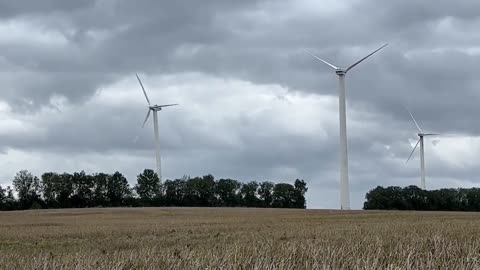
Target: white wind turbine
341, 72
155, 109
420, 134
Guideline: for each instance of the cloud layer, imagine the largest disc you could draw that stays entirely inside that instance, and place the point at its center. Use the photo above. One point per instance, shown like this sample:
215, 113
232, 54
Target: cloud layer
253, 105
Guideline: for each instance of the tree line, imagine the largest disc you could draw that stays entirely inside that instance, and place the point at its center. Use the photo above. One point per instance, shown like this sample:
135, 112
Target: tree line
415, 198
78, 190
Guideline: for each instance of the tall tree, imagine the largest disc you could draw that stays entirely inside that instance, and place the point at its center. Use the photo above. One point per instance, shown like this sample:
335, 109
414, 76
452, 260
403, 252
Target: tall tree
200, 191
385, 198
300, 190
48, 187
473, 198
148, 185
64, 183
118, 189
28, 188
249, 194
57, 189
83, 185
10, 202
265, 191
3, 197
228, 191
375, 199
283, 196
100, 189
415, 198
175, 192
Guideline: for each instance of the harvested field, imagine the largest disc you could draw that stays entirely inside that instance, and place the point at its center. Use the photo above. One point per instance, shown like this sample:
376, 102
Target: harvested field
225, 238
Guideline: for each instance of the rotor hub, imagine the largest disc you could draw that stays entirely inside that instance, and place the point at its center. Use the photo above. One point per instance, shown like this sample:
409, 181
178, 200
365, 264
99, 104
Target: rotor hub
340, 71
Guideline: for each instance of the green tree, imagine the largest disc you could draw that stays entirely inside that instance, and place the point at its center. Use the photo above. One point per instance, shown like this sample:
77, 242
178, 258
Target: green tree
48, 187
3, 197
10, 202
175, 191
300, 190
375, 199
65, 189
148, 185
265, 192
283, 196
83, 185
100, 189
249, 194
84, 190
227, 191
448, 200
57, 189
385, 198
200, 191
473, 198
415, 198
118, 189
28, 188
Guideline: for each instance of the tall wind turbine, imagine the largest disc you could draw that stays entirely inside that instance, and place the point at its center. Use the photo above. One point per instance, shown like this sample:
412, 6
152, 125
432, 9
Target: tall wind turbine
342, 72
420, 134
155, 109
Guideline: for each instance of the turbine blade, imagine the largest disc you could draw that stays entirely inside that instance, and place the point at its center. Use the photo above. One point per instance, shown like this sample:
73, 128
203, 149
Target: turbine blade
431, 134
146, 118
143, 88
412, 151
413, 118
318, 58
168, 105
361, 60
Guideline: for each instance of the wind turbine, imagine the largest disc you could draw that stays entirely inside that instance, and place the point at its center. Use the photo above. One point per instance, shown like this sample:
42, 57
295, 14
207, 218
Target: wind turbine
341, 72
420, 134
155, 109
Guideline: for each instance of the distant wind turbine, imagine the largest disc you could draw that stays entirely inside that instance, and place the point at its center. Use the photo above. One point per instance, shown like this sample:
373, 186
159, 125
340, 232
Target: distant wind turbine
341, 72
420, 134
155, 109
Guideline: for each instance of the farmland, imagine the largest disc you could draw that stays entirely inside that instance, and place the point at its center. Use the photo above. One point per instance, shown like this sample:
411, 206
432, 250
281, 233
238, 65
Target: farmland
237, 238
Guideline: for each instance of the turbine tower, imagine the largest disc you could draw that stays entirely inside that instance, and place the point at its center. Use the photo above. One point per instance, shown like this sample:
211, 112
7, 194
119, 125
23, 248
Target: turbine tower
342, 72
420, 134
155, 109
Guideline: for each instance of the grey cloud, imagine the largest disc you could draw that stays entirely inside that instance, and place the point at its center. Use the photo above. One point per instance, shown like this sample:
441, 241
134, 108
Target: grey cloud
9, 9
429, 66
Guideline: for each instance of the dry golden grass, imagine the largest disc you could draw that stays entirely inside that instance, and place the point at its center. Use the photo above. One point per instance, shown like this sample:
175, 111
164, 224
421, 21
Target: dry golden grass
222, 238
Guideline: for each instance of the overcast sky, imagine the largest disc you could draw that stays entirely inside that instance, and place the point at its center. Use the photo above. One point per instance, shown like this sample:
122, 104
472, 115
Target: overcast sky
254, 106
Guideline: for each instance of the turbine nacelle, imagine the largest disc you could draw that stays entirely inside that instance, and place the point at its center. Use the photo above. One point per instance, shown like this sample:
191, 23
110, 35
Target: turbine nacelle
155, 108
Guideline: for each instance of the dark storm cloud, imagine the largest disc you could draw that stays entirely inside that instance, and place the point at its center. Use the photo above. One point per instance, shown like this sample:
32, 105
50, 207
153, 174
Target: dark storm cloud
9, 9
249, 39
101, 41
